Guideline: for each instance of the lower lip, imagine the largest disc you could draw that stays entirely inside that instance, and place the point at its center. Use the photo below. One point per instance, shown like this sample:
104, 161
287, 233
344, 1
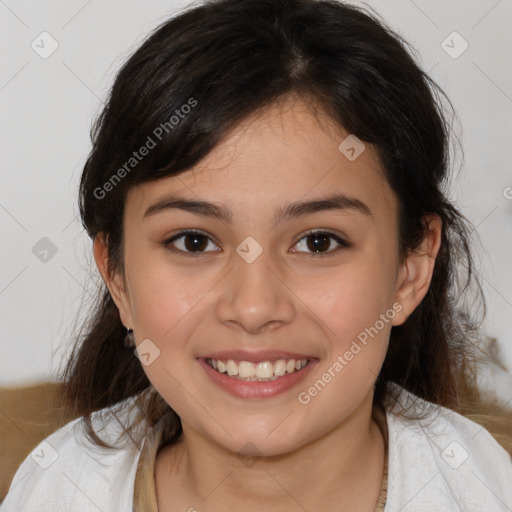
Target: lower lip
254, 388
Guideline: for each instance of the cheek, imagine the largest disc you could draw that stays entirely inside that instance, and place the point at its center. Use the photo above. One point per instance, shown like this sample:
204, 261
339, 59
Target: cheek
351, 299
166, 298
356, 306
358, 315
167, 309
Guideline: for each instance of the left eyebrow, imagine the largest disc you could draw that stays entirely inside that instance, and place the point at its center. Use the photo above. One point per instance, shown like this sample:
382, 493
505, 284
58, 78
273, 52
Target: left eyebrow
339, 202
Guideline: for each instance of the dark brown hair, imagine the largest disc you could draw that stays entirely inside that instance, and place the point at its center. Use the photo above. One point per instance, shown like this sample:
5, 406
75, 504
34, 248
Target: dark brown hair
233, 58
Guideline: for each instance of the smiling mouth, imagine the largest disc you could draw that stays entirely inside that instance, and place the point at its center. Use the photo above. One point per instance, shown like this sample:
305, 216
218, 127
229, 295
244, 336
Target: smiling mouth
263, 371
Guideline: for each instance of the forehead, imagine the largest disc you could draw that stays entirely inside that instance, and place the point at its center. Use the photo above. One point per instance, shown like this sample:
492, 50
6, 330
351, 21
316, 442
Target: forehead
284, 153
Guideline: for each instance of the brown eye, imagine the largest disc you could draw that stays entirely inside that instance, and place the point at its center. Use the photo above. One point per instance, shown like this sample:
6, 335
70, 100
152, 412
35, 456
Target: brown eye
188, 242
320, 242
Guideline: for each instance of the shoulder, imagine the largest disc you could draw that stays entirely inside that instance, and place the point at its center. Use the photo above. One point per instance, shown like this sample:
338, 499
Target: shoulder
67, 471
444, 461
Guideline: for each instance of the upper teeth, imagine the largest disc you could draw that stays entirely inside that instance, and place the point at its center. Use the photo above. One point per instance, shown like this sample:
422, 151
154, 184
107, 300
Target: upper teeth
262, 370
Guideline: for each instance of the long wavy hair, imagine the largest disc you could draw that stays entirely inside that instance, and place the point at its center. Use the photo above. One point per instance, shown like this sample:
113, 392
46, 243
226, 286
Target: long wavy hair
233, 58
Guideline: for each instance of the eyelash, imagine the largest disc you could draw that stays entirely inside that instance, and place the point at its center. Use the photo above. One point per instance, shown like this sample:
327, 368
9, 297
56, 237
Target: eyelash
168, 243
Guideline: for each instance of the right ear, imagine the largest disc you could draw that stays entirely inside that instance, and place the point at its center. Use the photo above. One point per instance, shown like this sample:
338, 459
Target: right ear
114, 282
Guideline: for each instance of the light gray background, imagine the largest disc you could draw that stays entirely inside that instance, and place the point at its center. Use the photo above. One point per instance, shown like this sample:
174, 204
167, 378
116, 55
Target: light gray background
48, 106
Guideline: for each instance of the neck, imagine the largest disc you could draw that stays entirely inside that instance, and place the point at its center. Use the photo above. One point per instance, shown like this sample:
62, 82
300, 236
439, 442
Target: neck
343, 466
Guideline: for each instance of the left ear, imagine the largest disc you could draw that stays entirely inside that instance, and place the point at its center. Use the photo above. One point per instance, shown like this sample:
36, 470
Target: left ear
416, 272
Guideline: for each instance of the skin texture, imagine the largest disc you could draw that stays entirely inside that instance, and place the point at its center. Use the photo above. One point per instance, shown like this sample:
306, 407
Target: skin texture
313, 456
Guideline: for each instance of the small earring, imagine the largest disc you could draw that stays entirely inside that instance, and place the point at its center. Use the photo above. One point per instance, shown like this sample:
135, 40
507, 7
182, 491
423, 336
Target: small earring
129, 339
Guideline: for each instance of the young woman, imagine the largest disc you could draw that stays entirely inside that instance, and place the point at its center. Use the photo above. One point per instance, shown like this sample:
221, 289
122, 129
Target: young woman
266, 196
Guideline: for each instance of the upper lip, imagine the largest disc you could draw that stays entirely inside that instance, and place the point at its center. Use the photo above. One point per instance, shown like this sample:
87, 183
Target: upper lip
255, 356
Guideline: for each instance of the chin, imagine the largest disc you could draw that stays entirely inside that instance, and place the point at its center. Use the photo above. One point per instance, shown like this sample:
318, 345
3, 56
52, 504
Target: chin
254, 445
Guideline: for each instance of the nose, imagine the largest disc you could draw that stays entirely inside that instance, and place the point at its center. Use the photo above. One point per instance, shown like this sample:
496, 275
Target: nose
255, 297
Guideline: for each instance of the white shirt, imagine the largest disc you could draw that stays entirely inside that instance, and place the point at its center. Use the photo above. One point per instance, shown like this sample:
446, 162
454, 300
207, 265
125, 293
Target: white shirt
442, 463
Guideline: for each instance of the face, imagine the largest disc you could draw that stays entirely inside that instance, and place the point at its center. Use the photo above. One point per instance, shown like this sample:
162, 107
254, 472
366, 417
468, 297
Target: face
267, 287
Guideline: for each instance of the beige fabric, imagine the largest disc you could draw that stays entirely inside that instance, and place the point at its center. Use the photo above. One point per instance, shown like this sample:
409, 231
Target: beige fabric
144, 493
144, 497
28, 416
381, 501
